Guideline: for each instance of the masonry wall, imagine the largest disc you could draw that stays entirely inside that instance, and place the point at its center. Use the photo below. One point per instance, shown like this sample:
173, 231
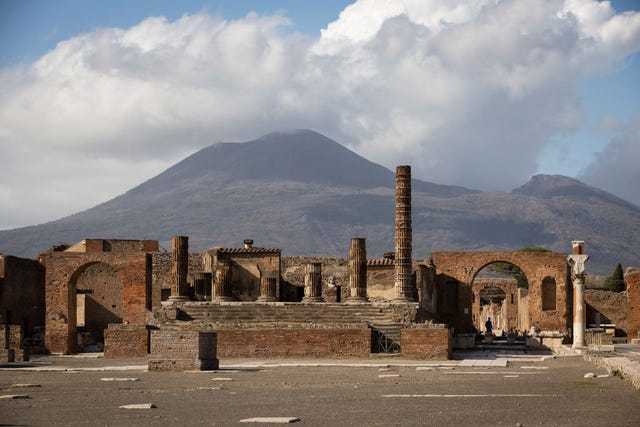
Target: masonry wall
22, 293
183, 350
298, 342
632, 277
381, 280
427, 341
122, 340
161, 273
101, 290
62, 273
460, 268
334, 269
612, 307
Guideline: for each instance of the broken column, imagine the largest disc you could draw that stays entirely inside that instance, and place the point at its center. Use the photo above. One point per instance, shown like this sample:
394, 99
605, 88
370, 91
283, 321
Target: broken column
357, 271
222, 285
179, 268
403, 268
268, 289
313, 282
577, 260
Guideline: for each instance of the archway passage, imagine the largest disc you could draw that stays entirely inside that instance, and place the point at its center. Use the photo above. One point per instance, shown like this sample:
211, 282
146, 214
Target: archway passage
98, 297
500, 295
461, 269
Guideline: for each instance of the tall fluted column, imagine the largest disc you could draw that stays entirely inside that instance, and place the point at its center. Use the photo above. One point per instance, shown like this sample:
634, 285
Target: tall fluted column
268, 289
404, 287
358, 271
222, 286
179, 268
577, 260
313, 282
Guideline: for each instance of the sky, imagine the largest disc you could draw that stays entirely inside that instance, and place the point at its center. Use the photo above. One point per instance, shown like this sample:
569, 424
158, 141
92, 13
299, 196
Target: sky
98, 97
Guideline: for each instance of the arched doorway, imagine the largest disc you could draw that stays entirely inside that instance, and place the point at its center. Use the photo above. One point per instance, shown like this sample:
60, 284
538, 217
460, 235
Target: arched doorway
96, 296
500, 293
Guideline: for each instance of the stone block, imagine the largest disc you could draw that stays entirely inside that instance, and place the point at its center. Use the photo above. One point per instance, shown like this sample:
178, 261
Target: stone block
178, 350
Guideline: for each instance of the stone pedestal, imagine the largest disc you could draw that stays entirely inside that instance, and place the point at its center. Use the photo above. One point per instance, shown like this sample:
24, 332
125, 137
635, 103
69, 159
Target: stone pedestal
179, 268
222, 286
268, 289
357, 271
404, 287
313, 282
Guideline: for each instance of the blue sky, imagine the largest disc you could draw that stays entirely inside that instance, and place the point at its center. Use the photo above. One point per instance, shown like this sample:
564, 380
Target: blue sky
401, 81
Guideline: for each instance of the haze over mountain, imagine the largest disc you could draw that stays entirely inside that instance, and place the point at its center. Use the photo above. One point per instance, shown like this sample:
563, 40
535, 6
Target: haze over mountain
309, 195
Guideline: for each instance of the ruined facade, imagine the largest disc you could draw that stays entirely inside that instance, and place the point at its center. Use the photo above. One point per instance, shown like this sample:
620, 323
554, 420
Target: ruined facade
128, 298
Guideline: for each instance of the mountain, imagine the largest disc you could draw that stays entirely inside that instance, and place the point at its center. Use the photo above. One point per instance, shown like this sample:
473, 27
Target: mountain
309, 195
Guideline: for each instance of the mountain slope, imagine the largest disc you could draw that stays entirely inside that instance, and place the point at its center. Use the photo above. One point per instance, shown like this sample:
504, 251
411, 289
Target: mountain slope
309, 195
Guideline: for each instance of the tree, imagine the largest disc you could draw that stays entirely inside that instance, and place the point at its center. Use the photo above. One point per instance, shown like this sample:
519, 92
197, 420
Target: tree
615, 282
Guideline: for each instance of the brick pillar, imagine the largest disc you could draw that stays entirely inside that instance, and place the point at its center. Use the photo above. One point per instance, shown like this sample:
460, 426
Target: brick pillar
577, 260
632, 278
313, 282
404, 287
222, 286
179, 268
358, 271
268, 289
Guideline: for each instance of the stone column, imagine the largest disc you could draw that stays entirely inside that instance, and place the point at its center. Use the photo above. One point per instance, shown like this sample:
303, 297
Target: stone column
577, 260
358, 271
222, 286
313, 282
268, 289
404, 287
179, 268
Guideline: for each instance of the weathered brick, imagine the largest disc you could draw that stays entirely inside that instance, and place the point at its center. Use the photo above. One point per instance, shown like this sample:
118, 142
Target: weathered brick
427, 341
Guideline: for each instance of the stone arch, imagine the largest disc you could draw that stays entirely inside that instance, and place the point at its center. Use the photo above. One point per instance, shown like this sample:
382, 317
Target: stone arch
464, 266
62, 273
95, 297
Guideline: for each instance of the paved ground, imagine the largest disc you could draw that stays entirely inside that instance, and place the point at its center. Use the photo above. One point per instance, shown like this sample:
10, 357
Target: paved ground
531, 390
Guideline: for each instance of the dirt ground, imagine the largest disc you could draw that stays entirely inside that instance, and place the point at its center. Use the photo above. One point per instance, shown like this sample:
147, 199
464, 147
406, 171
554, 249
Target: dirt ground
553, 392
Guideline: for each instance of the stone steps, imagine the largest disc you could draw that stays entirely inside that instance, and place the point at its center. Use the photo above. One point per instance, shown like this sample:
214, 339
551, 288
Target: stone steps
287, 313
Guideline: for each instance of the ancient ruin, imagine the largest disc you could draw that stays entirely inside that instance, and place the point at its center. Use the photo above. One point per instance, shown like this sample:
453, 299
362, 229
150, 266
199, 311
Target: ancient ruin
187, 309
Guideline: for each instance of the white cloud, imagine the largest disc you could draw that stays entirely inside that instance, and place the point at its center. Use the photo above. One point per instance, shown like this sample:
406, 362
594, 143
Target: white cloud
469, 92
616, 169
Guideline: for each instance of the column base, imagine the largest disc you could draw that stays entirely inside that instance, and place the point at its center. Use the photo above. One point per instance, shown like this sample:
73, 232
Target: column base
402, 300
266, 299
312, 299
178, 298
222, 299
357, 300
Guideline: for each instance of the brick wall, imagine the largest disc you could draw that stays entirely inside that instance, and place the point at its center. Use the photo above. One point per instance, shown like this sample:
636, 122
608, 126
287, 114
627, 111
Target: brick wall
462, 267
161, 272
427, 341
22, 299
285, 342
612, 307
62, 273
182, 350
632, 277
126, 341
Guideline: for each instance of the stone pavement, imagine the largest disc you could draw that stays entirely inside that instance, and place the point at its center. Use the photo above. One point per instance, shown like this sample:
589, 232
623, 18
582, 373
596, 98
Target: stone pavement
624, 361
97, 362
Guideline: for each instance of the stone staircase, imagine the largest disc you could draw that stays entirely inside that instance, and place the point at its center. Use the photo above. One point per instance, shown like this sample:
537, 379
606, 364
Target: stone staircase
279, 313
